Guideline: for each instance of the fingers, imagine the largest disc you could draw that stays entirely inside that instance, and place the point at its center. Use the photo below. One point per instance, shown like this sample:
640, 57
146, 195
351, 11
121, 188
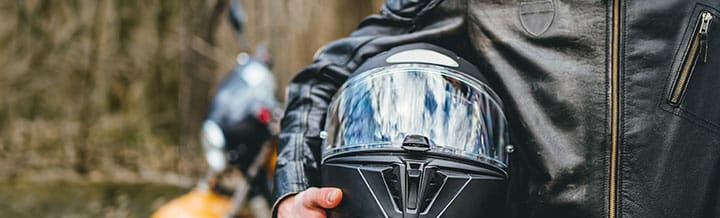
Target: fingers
324, 198
310, 203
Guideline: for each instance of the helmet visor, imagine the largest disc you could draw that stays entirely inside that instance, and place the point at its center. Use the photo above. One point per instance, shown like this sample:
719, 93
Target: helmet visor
458, 114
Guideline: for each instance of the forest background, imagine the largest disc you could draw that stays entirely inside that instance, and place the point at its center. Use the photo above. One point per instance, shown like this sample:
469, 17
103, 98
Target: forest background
101, 100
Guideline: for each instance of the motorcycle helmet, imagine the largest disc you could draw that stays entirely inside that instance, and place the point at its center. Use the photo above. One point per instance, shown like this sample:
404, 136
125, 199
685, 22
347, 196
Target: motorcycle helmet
416, 132
237, 123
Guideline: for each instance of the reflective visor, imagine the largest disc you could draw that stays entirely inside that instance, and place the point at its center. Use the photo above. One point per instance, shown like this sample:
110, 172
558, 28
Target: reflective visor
459, 115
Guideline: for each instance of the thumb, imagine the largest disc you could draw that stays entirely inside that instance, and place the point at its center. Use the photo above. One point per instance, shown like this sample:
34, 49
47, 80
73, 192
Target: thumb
322, 197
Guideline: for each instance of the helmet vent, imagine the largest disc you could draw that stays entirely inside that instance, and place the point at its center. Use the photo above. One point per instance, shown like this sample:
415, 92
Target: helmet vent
416, 193
434, 182
392, 180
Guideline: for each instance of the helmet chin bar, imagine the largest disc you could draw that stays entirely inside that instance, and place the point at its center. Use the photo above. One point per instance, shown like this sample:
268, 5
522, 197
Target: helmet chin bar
414, 184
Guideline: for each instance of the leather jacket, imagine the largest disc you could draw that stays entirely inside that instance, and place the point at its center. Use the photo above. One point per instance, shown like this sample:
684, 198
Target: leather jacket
613, 104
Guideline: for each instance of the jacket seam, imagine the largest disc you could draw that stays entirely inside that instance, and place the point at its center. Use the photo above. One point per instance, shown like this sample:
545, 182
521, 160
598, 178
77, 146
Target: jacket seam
692, 118
624, 156
300, 142
710, 124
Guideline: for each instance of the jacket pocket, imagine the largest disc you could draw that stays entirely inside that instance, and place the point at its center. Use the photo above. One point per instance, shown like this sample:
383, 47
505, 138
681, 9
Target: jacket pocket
694, 91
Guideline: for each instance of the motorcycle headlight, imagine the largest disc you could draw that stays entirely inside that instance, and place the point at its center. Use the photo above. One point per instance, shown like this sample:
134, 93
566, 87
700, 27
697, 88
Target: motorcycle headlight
213, 142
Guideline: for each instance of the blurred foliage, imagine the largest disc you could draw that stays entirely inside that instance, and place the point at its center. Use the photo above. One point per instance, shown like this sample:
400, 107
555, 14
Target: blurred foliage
101, 100
89, 199
116, 89
83, 80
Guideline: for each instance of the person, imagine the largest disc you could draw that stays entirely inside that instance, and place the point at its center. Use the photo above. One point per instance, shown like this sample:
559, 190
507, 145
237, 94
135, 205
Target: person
610, 101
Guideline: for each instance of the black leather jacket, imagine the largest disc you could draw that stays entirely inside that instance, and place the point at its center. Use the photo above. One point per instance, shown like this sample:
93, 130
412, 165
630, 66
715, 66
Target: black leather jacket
614, 104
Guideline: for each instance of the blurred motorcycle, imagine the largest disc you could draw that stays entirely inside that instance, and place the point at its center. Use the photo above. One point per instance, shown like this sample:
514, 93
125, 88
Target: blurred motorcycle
235, 137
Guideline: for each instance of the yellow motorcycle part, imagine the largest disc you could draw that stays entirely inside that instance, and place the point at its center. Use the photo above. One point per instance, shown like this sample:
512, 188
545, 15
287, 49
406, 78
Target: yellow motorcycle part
196, 204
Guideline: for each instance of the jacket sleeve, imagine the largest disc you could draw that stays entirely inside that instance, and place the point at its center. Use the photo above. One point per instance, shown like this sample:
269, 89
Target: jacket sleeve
310, 91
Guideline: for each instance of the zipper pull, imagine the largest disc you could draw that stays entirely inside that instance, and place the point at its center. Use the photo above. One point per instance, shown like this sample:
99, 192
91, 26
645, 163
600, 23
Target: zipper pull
706, 18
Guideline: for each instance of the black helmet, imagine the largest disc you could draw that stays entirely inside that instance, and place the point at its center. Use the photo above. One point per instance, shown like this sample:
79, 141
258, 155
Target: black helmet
416, 132
237, 123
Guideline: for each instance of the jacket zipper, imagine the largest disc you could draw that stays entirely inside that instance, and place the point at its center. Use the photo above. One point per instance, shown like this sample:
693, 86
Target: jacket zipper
700, 38
615, 111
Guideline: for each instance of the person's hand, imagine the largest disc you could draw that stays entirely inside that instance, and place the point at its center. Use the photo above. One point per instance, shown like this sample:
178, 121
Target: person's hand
310, 203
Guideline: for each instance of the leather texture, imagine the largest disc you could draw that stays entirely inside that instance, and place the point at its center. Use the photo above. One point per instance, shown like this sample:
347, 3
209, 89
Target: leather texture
550, 61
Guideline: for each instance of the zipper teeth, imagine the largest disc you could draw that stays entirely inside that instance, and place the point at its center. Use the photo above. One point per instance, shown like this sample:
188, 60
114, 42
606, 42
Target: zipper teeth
682, 79
615, 116
691, 58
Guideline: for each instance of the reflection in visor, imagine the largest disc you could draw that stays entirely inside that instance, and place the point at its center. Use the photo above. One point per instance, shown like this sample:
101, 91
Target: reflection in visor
458, 114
